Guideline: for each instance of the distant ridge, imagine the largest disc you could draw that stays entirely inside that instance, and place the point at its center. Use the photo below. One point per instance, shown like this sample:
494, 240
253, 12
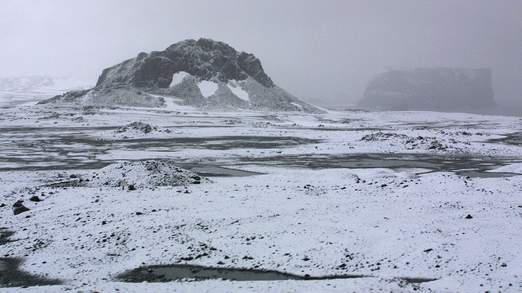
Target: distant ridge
432, 89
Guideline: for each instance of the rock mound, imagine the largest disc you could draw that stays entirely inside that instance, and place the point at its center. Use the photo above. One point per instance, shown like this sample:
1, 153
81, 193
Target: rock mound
137, 127
431, 89
412, 142
144, 174
202, 73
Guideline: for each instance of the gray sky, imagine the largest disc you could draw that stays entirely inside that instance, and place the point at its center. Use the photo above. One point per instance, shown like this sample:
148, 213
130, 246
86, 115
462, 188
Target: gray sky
323, 51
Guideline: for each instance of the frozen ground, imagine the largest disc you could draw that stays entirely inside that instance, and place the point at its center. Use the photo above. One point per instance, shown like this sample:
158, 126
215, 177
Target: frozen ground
407, 201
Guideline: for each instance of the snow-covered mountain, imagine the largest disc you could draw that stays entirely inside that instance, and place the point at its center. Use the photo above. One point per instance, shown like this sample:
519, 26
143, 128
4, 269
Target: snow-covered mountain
432, 89
202, 73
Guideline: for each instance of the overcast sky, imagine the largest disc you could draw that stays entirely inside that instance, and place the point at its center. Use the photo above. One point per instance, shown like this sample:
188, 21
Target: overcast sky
322, 51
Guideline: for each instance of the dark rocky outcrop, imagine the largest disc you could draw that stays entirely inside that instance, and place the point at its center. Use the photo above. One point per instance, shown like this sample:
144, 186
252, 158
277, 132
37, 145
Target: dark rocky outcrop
205, 59
237, 79
138, 127
18, 207
432, 89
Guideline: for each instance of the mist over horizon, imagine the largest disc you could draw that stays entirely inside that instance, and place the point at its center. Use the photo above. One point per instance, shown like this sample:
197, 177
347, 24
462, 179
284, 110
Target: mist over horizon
323, 52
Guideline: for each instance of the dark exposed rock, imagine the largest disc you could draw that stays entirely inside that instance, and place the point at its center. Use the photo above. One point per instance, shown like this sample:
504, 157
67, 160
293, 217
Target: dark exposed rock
431, 89
18, 208
137, 126
419, 142
204, 58
35, 198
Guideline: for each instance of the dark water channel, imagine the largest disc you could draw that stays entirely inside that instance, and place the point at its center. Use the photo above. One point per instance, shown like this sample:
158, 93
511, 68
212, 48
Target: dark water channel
461, 165
10, 273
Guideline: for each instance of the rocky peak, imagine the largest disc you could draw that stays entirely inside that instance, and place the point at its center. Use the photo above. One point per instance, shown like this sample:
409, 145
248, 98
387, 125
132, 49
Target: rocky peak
204, 58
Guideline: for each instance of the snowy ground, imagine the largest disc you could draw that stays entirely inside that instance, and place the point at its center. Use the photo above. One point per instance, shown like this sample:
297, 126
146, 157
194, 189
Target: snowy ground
387, 195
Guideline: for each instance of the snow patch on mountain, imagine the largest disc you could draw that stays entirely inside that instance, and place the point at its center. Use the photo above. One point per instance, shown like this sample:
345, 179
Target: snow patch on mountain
207, 88
297, 105
178, 77
239, 92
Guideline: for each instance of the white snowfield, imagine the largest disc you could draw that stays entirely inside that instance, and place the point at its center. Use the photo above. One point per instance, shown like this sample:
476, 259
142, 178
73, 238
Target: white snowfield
207, 88
309, 209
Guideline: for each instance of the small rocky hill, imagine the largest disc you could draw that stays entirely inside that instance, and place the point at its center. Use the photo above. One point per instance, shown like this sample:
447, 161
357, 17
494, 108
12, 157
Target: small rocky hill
201, 73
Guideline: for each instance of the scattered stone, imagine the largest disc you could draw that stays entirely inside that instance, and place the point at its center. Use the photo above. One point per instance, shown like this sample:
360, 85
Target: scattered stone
35, 198
138, 127
410, 143
19, 208
383, 136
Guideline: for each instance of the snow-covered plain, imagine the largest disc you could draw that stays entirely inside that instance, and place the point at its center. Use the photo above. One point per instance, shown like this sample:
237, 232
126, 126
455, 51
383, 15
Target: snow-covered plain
336, 193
